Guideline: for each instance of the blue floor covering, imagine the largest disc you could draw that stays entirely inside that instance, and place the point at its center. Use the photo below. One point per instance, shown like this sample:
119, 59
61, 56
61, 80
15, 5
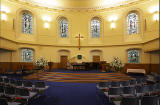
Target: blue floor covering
62, 93
71, 94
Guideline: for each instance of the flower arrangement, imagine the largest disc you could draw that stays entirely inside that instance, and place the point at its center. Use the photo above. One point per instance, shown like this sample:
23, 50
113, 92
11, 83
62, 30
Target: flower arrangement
116, 64
41, 62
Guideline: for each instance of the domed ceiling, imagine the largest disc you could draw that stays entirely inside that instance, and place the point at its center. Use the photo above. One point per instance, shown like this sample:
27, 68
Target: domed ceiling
79, 4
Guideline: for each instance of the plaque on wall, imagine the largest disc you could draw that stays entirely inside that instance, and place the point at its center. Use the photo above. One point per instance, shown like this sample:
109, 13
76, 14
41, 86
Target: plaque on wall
79, 56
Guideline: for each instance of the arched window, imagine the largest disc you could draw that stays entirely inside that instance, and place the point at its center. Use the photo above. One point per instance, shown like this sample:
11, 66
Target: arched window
95, 27
63, 28
27, 55
27, 23
133, 56
132, 23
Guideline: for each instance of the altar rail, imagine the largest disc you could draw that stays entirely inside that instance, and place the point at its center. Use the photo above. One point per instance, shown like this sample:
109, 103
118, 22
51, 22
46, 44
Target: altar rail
53, 65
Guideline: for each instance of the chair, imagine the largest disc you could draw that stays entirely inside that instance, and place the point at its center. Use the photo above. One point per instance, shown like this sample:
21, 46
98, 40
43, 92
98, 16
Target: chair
139, 81
124, 83
129, 101
128, 91
1, 90
144, 81
18, 83
9, 91
12, 81
28, 84
25, 93
158, 85
101, 85
157, 78
152, 88
115, 84
149, 100
1, 80
41, 86
108, 84
6, 81
142, 90
132, 82
114, 93
3, 101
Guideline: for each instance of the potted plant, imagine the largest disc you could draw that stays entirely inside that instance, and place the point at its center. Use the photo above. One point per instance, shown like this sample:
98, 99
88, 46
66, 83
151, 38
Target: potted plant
41, 63
116, 64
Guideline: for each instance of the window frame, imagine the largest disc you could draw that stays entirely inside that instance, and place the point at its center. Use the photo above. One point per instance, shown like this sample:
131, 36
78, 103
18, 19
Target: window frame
137, 23
23, 59
60, 23
137, 50
99, 29
22, 22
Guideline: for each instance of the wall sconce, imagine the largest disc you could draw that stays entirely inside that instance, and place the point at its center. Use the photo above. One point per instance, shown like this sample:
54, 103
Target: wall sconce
3, 17
113, 25
156, 17
4, 9
46, 19
112, 19
46, 25
154, 9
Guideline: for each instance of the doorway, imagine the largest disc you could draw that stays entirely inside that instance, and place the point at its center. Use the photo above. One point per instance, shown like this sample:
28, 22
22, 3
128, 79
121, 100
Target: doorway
63, 61
96, 58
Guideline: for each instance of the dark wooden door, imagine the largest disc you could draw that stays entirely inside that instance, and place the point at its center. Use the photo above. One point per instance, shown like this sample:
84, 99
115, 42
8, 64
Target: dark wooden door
63, 62
96, 58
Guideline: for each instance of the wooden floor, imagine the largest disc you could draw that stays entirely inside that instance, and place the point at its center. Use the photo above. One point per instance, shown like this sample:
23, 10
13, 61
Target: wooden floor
78, 77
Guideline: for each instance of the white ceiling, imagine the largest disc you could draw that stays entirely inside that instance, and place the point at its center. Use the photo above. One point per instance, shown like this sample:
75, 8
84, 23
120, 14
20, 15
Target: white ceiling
67, 4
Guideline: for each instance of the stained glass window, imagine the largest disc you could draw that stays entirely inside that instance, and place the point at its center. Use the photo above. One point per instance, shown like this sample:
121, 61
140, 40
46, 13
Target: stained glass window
95, 28
133, 56
132, 23
27, 23
27, 55
64, 28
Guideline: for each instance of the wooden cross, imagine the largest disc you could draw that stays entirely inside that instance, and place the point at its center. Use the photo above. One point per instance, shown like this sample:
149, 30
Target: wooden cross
79, 39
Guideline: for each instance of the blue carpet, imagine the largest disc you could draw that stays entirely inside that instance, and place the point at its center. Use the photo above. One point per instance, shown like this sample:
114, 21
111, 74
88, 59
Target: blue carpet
60, 93
71, 94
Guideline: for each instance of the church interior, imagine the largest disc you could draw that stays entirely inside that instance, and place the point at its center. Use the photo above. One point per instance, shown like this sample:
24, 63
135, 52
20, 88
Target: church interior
79, 52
